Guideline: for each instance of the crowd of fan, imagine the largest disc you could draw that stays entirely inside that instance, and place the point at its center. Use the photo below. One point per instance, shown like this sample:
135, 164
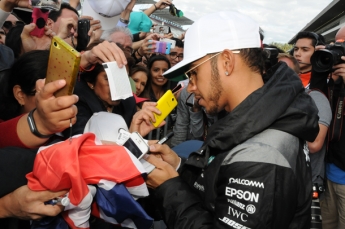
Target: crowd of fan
131, 43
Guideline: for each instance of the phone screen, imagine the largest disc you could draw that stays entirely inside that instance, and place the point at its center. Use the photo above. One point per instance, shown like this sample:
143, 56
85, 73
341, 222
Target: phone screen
131, 146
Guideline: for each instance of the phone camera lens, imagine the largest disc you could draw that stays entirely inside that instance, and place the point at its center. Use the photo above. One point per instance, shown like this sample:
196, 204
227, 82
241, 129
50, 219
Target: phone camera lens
55, 44
172, 99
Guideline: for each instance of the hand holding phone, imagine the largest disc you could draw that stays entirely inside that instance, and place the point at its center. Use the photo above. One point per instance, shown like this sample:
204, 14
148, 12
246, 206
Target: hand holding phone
63, 64
165, 104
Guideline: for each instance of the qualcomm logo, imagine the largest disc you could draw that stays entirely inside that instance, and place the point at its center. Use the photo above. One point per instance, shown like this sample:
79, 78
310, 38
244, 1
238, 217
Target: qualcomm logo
246, 182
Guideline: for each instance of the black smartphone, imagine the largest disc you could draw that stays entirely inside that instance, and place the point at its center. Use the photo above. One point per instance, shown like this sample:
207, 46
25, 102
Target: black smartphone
83, 37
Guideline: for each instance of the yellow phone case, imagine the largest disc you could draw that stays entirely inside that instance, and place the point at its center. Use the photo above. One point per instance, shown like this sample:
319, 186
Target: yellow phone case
63, 63
165, 104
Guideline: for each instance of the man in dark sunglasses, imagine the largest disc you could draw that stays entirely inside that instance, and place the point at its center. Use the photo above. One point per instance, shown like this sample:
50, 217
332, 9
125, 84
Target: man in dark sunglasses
176, 54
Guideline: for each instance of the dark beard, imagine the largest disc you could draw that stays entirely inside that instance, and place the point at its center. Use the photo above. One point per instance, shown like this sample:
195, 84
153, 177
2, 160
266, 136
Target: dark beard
216, 89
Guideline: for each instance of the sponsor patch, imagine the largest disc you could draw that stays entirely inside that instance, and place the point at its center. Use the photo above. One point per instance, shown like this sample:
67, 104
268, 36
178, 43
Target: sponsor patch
199, 186
251, 209
237, 214
246, 182
232, 223
237, 204
242, 195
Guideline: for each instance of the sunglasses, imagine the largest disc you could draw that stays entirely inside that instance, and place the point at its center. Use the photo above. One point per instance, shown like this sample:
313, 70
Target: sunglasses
174, 11
8, 24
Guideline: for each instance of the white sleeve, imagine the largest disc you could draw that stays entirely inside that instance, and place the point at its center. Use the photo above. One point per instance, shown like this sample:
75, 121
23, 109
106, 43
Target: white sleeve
3, 16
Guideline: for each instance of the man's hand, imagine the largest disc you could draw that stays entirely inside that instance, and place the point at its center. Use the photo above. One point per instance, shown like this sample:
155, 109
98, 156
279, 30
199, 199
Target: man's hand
30, 43
8, 5
166, 153
339, 70
149, 44
53, 114
142, 120
24, 203
161, 173
104, 52
94, 24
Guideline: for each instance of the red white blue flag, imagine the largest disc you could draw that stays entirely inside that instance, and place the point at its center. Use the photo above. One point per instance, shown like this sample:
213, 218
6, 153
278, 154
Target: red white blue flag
104, 180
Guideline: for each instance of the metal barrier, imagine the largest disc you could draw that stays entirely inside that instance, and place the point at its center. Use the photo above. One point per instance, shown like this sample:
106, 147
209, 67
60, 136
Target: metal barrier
157, 132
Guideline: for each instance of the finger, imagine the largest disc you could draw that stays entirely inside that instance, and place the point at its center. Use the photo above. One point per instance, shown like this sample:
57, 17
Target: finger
49, 210
149, 104
28, 28
64, 102
48, 195
151, 142
95, 22
155, 161
120, 57
40, 84
50, 88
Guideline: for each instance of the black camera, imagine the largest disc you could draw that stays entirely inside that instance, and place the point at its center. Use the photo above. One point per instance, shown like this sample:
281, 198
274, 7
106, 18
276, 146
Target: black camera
271, 54
323, 60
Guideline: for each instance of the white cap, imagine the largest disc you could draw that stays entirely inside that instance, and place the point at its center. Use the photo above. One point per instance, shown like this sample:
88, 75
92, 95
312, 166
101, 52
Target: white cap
105, 125
214, 33
107, 11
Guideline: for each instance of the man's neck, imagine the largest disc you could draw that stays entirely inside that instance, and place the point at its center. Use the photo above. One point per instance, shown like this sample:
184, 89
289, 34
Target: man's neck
305, 69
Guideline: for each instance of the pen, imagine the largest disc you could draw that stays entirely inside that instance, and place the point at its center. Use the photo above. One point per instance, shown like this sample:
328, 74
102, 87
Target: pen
64, 201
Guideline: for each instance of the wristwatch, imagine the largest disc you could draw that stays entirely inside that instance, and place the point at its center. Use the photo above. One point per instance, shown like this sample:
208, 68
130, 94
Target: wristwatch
33, 127
124, 20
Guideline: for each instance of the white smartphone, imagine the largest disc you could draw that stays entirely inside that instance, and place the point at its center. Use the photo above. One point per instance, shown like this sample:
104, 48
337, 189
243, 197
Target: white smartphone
136, 145
122, 136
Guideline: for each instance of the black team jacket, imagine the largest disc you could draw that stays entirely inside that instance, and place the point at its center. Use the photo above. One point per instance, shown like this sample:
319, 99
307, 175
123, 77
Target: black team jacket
251, 171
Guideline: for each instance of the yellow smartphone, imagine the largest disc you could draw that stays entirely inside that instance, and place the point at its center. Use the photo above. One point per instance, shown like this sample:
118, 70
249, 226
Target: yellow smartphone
63, 63
165, 104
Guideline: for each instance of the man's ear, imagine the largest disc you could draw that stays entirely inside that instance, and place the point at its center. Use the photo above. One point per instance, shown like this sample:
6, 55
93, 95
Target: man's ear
50, 23
19, 94
228, 62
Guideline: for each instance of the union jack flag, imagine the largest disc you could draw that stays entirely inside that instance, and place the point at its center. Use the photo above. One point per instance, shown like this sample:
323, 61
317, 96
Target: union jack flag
103, 180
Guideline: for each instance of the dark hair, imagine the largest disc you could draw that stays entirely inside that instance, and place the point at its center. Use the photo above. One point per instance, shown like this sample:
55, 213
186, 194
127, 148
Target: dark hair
179, 42
91, 76
14, 41
156, 58
254, 58
25, 71
54, 15
317, 39
141, 68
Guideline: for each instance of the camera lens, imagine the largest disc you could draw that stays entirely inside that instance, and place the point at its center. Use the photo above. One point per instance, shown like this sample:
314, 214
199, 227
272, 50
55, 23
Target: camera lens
55, 44
322, 60
172, 99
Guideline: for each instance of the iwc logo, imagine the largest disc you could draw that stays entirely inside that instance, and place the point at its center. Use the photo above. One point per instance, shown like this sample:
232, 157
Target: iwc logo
250, 209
